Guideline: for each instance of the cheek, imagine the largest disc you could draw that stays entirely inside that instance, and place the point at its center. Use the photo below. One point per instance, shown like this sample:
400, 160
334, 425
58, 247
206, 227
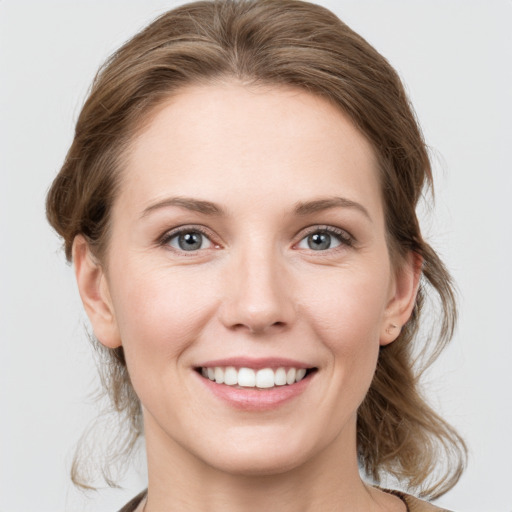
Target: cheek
346, 313
160, 312
348, 305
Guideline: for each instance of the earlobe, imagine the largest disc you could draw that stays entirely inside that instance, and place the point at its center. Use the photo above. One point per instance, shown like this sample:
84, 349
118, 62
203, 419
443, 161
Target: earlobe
403, 300
94, 292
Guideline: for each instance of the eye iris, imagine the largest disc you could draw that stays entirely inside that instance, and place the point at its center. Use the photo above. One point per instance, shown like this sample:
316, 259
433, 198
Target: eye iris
190, 241
319, 241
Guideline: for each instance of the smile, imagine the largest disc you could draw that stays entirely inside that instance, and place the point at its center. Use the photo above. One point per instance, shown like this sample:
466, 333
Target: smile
262, 378
256, 384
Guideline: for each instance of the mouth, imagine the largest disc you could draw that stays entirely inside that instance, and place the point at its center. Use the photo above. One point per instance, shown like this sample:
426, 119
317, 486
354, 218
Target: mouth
255, 378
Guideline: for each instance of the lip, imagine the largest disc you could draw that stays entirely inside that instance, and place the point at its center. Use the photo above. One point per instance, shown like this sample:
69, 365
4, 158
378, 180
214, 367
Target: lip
256, 363
252, 399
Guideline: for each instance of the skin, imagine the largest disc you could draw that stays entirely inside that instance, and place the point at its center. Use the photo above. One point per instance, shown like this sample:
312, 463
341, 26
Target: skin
256, 289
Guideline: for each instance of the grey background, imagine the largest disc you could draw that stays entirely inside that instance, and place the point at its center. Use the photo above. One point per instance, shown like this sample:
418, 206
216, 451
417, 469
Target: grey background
455, 57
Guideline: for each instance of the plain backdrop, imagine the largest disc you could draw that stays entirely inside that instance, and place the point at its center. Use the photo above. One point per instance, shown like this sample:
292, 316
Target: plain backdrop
455, 57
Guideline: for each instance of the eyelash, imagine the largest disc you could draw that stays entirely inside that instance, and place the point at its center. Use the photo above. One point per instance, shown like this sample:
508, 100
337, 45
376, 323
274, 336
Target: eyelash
169, 235
345, 238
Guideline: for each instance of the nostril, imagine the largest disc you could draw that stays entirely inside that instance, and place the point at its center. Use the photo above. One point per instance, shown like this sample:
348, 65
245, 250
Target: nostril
263, 327
279, 324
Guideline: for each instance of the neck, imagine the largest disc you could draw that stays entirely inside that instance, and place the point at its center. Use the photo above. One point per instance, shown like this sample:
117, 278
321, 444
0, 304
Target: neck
181, 481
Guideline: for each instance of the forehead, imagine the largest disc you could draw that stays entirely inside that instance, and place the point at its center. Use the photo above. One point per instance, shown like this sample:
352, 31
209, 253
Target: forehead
212, 140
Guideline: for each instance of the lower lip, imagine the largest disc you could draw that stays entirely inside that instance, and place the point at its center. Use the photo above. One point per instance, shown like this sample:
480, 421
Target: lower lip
255, 399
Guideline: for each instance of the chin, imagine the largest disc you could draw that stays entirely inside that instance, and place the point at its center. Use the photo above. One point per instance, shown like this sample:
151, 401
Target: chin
252, 457
259, 465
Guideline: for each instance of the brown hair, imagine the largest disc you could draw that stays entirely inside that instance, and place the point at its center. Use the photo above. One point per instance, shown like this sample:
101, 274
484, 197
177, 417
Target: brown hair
299, 44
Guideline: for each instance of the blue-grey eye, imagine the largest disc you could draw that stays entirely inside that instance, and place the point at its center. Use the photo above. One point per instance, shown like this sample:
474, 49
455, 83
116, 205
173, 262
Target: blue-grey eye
190, 241
320, 241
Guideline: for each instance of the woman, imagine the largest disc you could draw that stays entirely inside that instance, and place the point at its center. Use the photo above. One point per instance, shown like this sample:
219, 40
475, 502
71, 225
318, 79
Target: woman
239, 204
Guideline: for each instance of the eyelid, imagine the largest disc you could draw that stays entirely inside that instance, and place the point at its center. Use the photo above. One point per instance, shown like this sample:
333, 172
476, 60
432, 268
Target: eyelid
164, 239
346, 238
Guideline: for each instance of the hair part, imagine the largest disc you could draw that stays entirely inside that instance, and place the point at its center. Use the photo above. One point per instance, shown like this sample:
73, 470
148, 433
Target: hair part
276, 43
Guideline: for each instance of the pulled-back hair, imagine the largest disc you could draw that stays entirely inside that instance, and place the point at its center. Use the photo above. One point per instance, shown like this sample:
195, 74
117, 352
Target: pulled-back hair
289, 43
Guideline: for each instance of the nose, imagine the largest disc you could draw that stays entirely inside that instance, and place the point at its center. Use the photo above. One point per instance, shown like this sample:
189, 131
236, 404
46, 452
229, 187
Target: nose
258, 294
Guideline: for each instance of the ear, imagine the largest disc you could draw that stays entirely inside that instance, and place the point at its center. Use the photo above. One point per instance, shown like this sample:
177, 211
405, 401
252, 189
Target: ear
403, 297
95, 294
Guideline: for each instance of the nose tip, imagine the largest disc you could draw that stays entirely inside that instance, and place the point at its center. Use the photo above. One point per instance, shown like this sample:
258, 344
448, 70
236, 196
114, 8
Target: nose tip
258, 299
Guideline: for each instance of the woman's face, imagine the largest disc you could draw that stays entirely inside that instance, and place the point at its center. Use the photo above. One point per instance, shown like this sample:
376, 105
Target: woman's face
248, 233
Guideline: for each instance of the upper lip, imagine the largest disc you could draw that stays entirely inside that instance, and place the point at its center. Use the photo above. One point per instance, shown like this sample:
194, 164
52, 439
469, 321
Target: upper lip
256, 363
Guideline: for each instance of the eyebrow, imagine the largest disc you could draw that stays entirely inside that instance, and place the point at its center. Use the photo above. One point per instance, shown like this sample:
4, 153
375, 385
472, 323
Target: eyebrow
189, 203
308, 207
302, 208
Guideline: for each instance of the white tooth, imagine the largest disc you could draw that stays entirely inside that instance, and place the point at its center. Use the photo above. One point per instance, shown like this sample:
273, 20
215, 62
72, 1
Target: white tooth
230, 376
290, 376
246, 377
211, 373
300, 374
219, 375
204, 372
280, 377
265, 378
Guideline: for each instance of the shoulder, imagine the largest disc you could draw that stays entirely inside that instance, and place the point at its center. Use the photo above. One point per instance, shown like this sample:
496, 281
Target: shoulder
132, 505
417, 505
413, 504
